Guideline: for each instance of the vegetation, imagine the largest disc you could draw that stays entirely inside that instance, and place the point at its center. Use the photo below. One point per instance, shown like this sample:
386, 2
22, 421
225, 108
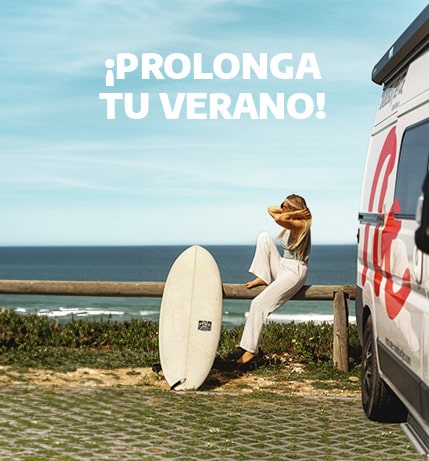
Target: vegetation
40, 342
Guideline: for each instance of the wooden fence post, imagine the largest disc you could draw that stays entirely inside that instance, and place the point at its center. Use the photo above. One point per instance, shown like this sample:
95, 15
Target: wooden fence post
341, 331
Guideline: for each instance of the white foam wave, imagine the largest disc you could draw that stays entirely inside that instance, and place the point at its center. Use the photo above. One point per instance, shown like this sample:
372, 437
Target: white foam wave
300, 318
77, 312
228, 317
148, 313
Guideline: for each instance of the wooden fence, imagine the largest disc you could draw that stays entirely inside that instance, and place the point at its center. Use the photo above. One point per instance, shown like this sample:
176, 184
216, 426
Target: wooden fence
338, 294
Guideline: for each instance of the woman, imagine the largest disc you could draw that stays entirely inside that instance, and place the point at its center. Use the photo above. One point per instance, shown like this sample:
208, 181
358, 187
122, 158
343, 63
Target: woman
283, 275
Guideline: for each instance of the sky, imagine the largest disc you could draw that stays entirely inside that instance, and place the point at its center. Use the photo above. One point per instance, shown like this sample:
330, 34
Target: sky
72, 176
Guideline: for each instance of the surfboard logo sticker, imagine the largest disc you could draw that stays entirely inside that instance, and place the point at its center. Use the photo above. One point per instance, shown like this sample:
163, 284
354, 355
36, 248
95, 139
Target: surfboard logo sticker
204, 325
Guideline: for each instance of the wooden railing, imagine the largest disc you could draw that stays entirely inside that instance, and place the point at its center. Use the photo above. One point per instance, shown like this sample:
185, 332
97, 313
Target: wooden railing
338, 294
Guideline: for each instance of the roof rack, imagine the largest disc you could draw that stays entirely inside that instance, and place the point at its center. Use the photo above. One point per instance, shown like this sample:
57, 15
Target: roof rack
408, 44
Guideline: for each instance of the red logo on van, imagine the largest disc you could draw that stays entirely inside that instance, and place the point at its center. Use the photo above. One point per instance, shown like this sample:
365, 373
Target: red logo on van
384, 238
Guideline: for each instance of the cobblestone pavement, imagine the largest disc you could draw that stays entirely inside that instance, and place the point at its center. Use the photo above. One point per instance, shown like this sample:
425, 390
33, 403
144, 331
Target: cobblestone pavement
125, 423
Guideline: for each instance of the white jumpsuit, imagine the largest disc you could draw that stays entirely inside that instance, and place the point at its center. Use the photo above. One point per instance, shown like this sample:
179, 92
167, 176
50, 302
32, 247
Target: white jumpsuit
285, 276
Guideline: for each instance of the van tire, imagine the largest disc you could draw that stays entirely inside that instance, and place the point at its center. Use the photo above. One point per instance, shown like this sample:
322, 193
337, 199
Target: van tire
379, 402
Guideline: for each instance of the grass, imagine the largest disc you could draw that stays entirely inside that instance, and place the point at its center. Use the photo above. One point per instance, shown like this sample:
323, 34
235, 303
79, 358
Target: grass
31, 341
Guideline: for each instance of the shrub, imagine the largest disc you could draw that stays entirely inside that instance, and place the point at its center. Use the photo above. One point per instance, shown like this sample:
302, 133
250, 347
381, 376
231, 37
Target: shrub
41, 342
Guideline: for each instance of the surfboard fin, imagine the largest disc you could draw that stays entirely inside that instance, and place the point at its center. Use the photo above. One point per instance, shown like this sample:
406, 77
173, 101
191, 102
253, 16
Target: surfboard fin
178, 383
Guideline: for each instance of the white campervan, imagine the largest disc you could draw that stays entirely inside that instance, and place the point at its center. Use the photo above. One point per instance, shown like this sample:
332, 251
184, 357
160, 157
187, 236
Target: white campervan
392, 298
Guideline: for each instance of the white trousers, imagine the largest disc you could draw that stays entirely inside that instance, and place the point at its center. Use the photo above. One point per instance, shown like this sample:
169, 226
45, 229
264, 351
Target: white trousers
284, 277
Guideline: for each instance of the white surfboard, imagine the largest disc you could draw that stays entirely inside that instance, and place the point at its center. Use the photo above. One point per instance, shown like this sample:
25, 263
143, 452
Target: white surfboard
190, 319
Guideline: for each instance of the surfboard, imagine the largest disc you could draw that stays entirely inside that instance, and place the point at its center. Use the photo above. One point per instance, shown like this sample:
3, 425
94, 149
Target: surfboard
190, 319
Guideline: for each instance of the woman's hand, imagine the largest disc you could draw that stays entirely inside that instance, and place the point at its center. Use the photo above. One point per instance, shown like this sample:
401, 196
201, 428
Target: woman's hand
298, 214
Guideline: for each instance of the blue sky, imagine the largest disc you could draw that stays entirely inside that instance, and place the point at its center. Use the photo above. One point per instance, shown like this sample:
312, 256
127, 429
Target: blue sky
70, 176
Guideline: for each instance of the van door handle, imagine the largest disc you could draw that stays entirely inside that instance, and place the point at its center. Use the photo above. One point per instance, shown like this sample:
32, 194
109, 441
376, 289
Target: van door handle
371, 218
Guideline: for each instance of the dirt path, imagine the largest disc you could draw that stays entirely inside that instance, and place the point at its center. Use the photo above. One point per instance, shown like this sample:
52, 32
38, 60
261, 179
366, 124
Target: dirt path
217, 381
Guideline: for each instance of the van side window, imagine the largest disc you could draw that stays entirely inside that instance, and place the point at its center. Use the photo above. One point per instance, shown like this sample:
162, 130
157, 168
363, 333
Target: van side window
412, 168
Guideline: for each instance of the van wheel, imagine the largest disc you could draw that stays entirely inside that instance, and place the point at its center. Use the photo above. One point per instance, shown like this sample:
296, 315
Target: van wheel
379, 402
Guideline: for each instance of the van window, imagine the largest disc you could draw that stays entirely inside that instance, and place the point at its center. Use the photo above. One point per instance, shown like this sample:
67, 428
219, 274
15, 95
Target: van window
412, 168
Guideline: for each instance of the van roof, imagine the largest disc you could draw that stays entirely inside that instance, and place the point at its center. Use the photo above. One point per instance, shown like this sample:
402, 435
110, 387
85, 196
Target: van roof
409, 43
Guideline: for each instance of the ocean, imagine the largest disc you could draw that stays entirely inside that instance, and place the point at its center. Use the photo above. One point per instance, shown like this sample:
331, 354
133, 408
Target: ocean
329, 265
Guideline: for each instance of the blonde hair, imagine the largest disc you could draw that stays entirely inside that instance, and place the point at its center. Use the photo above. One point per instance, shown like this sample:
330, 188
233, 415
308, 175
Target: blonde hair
297, 204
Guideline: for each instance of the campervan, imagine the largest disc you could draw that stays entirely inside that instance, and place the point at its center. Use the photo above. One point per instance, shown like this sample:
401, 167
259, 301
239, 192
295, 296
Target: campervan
392, 296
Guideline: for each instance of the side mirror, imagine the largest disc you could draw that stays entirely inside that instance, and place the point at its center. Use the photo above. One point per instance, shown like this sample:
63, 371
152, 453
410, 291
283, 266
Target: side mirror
421, 236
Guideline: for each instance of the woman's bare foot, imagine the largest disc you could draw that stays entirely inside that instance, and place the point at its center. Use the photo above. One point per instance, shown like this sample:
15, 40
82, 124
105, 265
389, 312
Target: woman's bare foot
247, 357
255, 283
